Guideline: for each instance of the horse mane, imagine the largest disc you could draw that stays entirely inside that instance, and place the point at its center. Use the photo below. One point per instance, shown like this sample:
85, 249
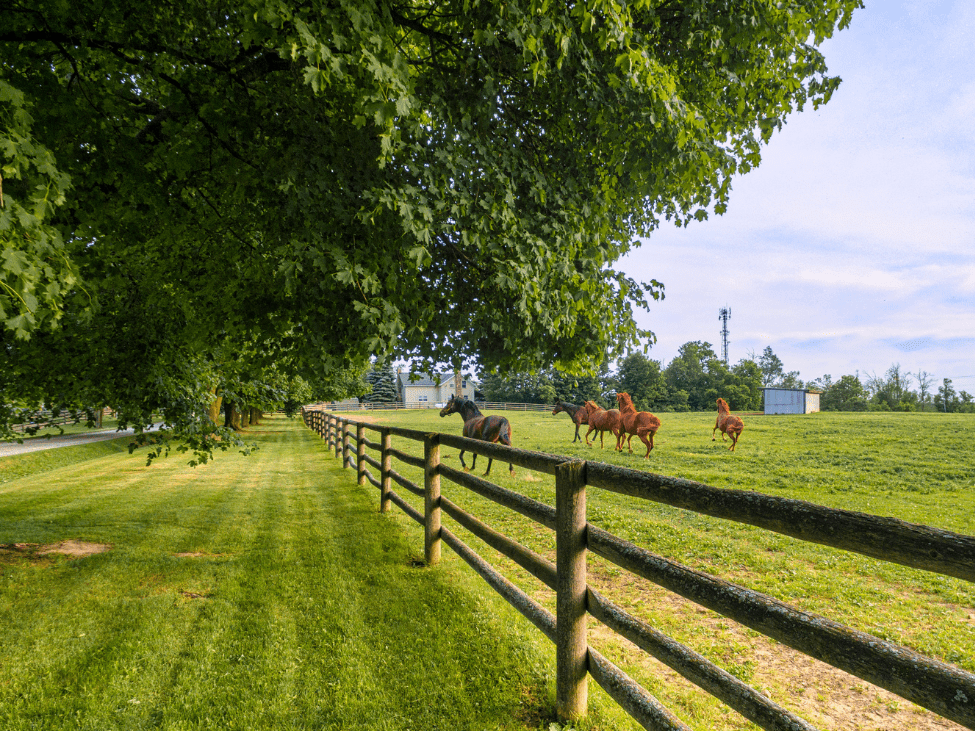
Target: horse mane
624, 397
723, 406
465, 407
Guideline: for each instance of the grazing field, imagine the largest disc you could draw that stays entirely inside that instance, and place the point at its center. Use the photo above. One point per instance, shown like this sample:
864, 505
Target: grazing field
915, 467
259, 592
266, 592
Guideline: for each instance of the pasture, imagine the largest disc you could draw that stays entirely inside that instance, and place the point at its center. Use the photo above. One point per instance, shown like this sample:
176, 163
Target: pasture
257, 592
910, 466
266, 591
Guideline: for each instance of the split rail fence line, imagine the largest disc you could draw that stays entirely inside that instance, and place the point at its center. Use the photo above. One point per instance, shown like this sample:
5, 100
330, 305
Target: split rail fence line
394, 405
942, 688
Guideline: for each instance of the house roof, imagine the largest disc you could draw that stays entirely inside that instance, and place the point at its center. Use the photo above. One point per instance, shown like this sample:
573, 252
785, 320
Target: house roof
425, 379
801, 390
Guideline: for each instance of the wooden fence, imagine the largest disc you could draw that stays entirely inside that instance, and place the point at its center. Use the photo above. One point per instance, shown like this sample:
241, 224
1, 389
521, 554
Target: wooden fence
942, 688
395, 405
45, 418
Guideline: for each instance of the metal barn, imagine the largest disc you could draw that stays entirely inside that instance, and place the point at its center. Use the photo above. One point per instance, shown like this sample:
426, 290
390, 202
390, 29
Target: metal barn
791, 401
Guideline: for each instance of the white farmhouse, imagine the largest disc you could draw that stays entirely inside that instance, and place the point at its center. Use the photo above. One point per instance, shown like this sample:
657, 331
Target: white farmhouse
428, 391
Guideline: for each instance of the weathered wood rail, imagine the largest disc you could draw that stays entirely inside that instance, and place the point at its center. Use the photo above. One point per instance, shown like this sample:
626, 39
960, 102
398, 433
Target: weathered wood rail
946, 690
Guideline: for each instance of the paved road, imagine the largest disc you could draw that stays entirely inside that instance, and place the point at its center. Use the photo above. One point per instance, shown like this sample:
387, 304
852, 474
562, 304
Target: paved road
8, 449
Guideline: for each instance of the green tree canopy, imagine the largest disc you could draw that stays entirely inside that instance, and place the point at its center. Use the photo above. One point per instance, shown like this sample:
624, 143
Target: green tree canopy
321, 182
643, 379
846, 394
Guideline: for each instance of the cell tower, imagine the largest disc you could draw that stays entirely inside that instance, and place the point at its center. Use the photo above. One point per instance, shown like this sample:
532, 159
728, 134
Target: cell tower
724, 314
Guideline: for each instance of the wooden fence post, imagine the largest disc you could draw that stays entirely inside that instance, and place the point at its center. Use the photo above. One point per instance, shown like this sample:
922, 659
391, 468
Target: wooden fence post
571, 648
387, 460
360, 433
431, 502
336, 440
331, 431
345, 444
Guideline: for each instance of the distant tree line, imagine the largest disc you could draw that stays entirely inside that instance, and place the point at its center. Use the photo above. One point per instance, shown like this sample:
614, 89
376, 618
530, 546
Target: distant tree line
690, 382
895, 390
694, 379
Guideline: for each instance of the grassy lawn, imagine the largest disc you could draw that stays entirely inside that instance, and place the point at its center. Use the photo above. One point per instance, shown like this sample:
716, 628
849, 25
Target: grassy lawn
916, 467
260, 592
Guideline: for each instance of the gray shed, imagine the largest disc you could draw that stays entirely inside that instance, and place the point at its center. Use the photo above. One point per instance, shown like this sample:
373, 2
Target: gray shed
791, 401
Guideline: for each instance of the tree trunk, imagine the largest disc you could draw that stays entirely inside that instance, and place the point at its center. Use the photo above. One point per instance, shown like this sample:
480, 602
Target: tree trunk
244, 416
232, 418
214, 409
256, 415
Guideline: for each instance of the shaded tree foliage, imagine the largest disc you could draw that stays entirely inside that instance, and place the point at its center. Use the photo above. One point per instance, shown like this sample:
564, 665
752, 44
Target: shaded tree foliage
318, 183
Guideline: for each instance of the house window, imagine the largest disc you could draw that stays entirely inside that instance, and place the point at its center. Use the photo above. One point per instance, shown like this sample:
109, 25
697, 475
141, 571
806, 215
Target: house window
422, 398
463, 384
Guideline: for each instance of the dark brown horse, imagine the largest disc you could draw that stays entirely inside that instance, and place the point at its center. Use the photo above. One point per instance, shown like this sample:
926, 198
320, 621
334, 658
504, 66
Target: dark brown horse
578, 414
641, 423
728, 423
601, 420
479, 426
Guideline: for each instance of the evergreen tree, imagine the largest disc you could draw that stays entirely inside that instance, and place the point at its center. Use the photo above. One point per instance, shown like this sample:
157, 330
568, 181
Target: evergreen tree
383, 382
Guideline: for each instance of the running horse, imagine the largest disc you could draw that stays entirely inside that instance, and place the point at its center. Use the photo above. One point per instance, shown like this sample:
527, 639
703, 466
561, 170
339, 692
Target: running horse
479, 426
641, 423
728, 423
602, 421
578, 414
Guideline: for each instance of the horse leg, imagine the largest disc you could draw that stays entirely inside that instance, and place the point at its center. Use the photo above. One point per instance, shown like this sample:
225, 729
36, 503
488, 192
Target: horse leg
649, 444
488, 470
591, 430
577, 434
734, 441
462, 462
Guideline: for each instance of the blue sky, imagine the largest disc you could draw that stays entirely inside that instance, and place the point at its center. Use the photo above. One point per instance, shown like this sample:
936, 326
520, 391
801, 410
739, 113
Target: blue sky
852, 246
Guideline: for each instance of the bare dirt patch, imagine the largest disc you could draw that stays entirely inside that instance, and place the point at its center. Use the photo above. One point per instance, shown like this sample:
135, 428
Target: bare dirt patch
72, 549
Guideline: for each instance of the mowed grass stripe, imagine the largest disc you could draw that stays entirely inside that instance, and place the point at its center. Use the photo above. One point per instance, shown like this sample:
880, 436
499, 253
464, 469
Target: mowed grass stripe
305, 609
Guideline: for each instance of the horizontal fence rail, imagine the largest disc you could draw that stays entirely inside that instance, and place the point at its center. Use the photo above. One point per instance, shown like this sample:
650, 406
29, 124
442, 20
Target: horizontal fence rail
396, 405
942, 688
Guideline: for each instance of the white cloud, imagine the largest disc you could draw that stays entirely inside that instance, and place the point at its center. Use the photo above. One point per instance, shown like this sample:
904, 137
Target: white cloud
857, 232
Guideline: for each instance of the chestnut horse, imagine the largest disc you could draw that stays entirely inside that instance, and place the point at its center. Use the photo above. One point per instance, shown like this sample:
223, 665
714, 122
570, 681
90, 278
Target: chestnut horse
641, 423
728, 424
479, 426
601, 420
578, 414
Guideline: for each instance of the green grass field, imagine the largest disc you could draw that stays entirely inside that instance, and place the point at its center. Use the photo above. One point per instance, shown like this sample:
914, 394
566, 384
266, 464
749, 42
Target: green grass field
267, 592
911, 466
260, 592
